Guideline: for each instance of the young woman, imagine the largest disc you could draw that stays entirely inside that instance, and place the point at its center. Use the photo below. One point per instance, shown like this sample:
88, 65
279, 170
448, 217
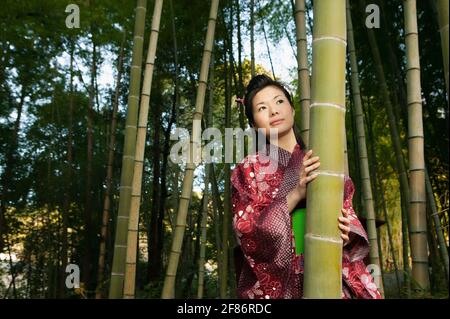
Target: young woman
263, 199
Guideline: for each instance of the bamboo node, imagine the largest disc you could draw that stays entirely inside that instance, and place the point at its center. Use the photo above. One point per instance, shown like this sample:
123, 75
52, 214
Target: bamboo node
337, 106
337, 39
322, 238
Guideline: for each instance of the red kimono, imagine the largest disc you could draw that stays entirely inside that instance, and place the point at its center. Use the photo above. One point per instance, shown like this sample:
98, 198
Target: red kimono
270, 268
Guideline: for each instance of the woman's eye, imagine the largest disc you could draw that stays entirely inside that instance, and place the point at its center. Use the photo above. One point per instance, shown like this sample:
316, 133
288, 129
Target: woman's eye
261, 108
280, 101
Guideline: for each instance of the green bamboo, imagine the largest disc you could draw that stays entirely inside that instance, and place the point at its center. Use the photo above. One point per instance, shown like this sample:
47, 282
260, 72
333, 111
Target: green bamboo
400, 166
417, 204
303, 71
109, 175
363, 158
177, 242
323, 244
437, 223
133, 223
120, 244
252, 37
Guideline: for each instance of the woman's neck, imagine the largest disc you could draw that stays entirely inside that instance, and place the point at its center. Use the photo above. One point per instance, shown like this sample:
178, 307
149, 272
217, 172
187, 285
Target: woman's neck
286, 141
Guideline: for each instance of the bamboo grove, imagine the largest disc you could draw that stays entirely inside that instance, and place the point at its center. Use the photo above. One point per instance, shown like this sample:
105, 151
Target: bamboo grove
87, 122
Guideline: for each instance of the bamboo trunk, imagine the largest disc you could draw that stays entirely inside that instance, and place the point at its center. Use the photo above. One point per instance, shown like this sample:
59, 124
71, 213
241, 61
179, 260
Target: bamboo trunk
268, 51
208, 123
68, 173
109, 175
303, 71
323, 244
363, 158
89, 172
227, 198
252, 38
380, 190
442, 6
218, 208
240, 75
201, 262
443, 250
417, 206
177, 241
120, 244
133, 225
400, 166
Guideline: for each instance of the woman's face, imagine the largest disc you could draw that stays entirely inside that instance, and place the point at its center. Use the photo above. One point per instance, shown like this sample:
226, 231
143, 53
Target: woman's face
271, 109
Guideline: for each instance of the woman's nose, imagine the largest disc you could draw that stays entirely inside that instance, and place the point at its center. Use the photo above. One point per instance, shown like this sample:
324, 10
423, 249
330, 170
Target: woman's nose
273, 111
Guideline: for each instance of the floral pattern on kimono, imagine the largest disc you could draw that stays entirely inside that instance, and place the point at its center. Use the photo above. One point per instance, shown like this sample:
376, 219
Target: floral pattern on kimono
263, 228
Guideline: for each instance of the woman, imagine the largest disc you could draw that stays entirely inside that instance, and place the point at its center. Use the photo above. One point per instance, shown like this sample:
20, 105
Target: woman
263, 199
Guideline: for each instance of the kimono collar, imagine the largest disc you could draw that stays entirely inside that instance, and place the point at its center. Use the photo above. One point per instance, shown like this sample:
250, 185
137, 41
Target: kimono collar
279, 154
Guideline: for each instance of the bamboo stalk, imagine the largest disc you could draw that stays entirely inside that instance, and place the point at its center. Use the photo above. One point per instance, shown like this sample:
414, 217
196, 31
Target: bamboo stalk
323, 244
303, 70
120, 243
109, 175
133, 224
417, 206
437, 224
177, 242
400, 166
252, 37
363, 158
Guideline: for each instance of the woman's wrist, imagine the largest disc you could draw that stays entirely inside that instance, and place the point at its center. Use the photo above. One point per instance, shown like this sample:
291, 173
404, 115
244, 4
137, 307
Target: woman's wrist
293, 198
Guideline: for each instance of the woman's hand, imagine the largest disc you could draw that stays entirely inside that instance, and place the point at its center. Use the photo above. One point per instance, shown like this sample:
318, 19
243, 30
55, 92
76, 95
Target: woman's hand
344, 226
309, 165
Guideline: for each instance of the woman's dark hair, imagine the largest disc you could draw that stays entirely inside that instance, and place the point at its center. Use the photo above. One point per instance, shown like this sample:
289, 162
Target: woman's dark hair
258, 83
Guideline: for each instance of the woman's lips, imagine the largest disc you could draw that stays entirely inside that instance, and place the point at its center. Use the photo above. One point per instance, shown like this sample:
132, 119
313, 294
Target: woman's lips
276, 122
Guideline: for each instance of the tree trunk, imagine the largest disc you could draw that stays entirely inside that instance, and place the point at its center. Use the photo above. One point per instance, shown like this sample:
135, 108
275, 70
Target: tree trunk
240, 75
443, 249
177, 242
166, 152
227, 198
378, 187
400, 166
133, 225
120, 243
67, 193
208, 123
323, 244
87, 261
109, 175
417, 206
363, 158
268, 51
302, 117
252, 38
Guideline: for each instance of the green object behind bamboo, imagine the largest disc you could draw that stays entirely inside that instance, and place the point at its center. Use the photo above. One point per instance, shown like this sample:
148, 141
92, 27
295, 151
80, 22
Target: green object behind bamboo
298, 225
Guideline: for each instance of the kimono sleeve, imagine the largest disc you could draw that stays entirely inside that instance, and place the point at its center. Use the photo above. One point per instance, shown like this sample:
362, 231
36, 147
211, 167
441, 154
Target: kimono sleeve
358, 282
262, 227
358, 247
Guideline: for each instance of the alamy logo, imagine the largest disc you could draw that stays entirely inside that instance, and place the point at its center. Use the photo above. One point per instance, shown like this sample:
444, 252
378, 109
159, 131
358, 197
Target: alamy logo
73, 19
73, 278
373, 19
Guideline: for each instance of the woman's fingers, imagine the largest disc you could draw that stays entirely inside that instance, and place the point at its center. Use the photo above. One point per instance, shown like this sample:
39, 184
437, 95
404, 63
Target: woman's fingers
307, 155
344, 220
312, 167
345, 238
311, 177
309, 161
345, 229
